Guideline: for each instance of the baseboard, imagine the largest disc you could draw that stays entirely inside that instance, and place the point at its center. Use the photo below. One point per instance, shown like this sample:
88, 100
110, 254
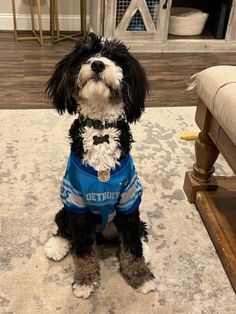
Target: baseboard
67, 22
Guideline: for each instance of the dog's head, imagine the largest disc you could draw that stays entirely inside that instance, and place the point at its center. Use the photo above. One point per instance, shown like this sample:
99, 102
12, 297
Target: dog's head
99, 71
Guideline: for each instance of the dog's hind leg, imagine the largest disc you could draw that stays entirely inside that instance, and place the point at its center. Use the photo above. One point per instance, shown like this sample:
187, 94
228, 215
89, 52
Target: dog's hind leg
133, 265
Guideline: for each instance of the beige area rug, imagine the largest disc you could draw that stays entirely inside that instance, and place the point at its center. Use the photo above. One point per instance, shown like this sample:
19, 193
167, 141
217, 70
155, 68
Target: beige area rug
189, 275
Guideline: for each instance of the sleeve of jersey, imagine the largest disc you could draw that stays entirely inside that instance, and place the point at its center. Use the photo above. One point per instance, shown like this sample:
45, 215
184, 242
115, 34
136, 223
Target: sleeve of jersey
72, 198
130, 198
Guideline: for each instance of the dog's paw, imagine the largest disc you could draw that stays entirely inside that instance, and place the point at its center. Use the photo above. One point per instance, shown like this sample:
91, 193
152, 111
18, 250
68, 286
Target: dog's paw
56, 248
147, 287
83, 291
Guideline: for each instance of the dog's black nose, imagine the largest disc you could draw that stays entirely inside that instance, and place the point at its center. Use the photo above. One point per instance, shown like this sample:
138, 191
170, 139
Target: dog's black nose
97, 66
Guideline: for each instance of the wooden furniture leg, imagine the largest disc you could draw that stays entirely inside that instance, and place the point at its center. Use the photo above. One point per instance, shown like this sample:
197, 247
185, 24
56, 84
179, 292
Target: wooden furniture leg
215, 197
201, 177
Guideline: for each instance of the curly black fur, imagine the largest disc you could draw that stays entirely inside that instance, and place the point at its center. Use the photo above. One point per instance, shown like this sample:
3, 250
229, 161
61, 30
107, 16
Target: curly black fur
75, 133
79, 229
132, 230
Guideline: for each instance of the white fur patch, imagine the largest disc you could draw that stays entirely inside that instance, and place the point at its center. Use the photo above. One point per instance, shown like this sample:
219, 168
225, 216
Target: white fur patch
95, 92
146, 251
95, 97
56, 248
147, 287
83, 291
100, 108
95, 102
103, 156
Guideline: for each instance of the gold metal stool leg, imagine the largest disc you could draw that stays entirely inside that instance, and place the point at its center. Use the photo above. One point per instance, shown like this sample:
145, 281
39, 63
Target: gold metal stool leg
40, 22
32, 16
14, 19
83, 16
39, 38
57, 20
52, 10
54, 23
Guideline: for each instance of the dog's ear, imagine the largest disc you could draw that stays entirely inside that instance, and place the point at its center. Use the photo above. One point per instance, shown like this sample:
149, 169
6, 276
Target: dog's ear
134, 88
61, 87
135, 85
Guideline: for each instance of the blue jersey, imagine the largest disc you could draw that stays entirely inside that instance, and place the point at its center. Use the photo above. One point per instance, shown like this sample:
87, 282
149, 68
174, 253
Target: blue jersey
82, 191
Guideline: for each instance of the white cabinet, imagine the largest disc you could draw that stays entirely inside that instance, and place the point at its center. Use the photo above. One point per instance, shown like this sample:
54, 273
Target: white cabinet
143, 26
135, 19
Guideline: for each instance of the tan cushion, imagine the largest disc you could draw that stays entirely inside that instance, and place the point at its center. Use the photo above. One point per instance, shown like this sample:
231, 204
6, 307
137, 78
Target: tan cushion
216, 86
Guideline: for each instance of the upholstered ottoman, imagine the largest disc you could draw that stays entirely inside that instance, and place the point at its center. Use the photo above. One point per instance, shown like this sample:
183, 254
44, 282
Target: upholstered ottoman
215, 197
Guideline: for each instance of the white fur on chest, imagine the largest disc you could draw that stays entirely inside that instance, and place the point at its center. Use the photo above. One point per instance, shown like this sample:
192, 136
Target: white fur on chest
102, 156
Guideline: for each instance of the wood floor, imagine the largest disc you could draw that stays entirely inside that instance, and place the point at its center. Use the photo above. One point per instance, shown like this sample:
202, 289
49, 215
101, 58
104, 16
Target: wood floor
25, 67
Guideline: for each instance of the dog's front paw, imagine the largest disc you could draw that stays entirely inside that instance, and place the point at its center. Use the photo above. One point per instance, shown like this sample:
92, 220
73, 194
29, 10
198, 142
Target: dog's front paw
56, 248
83, 291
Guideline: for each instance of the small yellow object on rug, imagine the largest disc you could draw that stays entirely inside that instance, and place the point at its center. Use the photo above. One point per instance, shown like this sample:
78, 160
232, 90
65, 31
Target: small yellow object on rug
189, 136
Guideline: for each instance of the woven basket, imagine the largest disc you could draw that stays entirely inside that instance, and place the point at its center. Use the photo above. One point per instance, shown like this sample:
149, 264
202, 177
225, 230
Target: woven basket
187, 21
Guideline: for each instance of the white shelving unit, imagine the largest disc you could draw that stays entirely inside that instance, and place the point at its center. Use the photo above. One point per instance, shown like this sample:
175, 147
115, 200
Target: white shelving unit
143, 26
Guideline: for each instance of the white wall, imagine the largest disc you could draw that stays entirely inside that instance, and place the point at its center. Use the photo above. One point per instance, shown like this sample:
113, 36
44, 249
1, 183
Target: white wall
69, 14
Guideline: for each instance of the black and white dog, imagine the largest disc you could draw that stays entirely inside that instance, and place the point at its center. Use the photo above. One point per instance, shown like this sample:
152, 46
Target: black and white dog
106, 86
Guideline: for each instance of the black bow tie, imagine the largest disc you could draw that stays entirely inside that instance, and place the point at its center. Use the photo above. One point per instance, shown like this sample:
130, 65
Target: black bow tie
100, 139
